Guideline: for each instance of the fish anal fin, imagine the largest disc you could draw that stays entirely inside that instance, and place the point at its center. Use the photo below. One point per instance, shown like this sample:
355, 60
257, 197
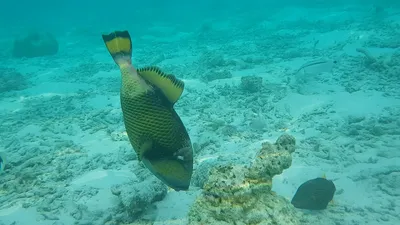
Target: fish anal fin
169, 85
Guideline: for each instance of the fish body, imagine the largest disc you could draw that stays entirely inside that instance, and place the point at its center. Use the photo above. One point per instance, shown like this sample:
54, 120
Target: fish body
314, 194
154, 129
317, 66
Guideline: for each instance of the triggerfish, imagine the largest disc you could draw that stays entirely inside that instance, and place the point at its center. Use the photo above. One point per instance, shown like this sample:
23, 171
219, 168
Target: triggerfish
314, 194
154, 129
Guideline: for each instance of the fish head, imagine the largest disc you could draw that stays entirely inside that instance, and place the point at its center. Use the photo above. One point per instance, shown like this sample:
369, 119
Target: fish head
176, 171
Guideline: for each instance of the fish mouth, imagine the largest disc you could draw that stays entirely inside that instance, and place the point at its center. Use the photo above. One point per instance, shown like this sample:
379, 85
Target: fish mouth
178, 186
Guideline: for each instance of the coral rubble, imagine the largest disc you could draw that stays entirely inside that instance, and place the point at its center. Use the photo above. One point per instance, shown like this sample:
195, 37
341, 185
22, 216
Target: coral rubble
11, 80
235, 194
251, 83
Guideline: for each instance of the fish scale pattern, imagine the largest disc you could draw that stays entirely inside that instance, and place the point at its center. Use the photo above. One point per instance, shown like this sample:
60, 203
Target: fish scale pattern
147, 118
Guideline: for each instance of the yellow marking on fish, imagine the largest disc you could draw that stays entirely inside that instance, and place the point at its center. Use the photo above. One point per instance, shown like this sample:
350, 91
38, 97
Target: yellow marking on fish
154, 129
168, 84
118, 44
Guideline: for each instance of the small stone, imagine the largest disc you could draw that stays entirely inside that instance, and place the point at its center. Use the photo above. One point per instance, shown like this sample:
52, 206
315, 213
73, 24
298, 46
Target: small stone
115, 190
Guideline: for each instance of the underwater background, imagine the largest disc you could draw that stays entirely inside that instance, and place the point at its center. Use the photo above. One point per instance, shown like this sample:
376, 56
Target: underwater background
276, 93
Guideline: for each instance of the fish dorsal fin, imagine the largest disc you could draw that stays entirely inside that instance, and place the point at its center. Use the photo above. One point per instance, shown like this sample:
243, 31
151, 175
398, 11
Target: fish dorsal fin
323, 175
169, 85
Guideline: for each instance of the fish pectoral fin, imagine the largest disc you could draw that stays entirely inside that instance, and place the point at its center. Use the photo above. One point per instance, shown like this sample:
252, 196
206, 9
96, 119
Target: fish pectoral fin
146, 145
169, 85
185, 156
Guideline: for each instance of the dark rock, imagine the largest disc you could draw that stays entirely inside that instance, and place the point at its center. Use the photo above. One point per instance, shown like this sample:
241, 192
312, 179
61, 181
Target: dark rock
35, 44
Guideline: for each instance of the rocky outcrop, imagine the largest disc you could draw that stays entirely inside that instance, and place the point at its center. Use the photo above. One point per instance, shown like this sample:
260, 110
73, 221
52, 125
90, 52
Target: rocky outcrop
235, 194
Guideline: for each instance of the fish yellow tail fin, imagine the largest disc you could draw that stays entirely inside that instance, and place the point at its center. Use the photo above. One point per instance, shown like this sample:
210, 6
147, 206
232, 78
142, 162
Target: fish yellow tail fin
119, 45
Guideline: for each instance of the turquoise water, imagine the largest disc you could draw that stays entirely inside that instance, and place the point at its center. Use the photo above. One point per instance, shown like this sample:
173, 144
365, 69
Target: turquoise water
325, 73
